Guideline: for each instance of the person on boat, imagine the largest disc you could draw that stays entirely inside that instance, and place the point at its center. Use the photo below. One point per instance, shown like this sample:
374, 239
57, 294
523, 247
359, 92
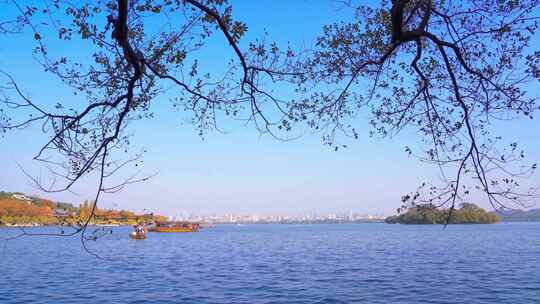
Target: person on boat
139, 231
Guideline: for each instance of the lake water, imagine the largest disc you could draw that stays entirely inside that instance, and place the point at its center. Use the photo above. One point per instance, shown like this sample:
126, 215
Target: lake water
357, 263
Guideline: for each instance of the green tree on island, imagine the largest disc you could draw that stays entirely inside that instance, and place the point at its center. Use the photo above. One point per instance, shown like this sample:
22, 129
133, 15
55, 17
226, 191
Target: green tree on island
467, 213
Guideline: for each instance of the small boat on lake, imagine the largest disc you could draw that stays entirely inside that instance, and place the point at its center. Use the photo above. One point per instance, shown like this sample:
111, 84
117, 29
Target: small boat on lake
173, 226
140, 232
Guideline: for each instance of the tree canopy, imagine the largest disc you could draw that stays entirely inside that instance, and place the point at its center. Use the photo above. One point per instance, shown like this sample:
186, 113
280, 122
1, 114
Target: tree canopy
39, 211
467, 213
447, 69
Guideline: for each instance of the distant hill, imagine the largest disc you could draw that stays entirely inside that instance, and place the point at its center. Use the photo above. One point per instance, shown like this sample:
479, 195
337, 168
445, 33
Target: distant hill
532, 215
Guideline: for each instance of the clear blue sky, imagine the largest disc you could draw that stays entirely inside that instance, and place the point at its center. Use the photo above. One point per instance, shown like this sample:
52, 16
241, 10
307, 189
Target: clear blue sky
239, 172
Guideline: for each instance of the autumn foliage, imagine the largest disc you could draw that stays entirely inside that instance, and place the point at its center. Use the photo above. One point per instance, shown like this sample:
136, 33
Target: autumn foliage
14, 207
46, 212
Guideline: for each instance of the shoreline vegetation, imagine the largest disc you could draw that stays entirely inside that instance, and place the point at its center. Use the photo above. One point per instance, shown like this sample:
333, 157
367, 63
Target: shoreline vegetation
21, 210
427, 214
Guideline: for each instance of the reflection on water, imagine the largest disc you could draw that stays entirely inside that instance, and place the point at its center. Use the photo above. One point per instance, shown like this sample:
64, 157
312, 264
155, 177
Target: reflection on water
362, 263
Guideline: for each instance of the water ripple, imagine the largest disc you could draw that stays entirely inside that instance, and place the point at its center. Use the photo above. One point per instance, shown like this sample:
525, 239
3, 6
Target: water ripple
365, 263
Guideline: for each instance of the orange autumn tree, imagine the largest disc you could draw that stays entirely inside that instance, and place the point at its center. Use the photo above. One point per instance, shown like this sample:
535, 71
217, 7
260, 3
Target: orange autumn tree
15, 211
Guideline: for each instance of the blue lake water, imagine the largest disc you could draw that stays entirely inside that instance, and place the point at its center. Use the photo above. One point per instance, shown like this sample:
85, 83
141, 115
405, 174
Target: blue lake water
357, 263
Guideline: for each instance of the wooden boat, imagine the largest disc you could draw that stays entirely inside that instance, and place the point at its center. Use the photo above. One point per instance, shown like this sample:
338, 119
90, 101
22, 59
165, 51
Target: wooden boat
137, 236
170, 226
139, 233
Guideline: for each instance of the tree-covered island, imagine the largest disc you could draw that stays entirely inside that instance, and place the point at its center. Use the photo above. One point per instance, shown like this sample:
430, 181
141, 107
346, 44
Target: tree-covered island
467, 213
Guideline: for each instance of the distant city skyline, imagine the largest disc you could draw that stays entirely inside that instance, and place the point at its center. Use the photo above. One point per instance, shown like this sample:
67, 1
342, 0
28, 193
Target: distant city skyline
262, 218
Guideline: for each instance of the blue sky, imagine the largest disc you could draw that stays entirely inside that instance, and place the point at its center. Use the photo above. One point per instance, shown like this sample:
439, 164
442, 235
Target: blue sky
239, 172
